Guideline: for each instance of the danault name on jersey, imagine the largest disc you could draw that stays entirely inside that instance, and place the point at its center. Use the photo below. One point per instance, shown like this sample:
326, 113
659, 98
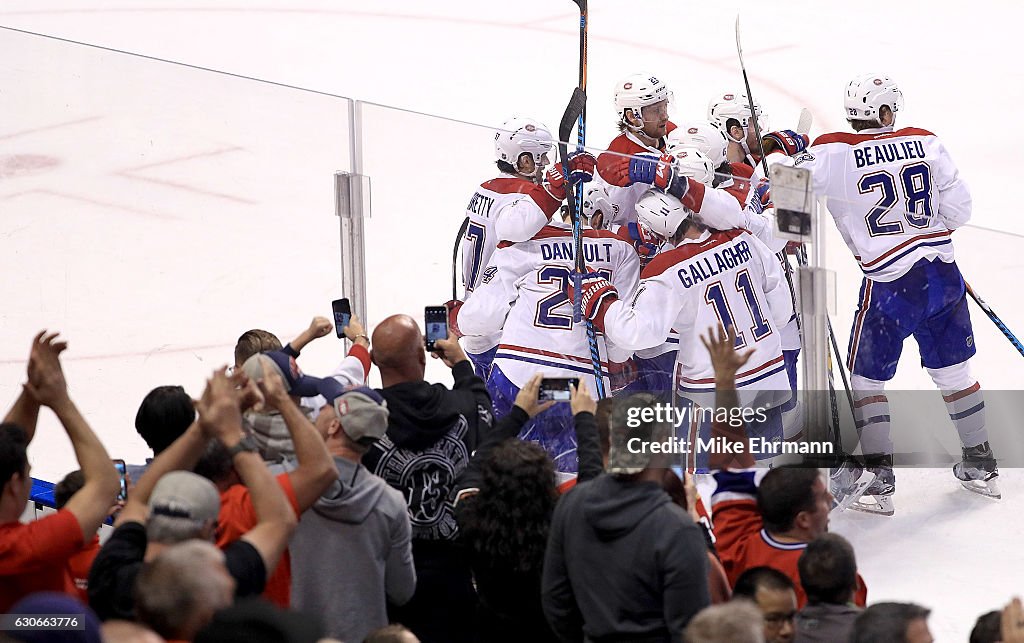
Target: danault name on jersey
888, 153
564, 250
705, 267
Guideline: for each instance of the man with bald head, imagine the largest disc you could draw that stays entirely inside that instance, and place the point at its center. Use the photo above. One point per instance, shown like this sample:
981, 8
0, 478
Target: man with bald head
432, 431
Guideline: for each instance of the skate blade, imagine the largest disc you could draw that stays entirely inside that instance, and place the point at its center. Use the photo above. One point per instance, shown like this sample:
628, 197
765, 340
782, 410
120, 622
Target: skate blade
987, 488
845, 498
879, 505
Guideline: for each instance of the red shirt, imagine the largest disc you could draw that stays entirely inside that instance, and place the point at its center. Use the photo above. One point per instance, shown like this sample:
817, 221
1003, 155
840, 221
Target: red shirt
79, 565
238, 516
742, 540
34, 557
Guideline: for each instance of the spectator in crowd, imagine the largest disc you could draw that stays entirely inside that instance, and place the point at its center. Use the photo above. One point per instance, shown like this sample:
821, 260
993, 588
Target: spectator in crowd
164, 415
767, 524
987, 629
267, 425
315, 469
178, 592
352, 552
892, 623
81, 561
504, 510
622, 560
735, 622
181, 506
828, 574
253, 342
255, 621
392, 634
431, 433
88, 628
34, 556
773, 593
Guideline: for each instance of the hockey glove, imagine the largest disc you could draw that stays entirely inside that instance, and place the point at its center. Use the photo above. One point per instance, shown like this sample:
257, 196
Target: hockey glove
644, 243
786, 141
581, 167
656, 171
453, 307
555, 183
597, 293
761, 197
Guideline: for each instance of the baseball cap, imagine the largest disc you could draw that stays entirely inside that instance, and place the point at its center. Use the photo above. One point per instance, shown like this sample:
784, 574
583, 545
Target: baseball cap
295, 381
627, 424
183, 494
362, 411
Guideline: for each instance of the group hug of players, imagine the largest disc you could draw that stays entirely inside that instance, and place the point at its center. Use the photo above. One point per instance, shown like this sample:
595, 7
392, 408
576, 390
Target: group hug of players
679, 237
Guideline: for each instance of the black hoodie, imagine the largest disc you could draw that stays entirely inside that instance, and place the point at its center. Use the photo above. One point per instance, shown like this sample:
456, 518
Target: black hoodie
623, 563
432, 431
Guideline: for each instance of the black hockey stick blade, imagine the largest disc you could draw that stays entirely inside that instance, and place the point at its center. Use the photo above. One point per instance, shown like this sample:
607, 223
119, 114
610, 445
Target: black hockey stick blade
577, 103
455, 257
582, 4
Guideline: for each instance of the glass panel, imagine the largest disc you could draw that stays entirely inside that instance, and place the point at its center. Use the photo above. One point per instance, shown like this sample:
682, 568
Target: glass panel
154, 212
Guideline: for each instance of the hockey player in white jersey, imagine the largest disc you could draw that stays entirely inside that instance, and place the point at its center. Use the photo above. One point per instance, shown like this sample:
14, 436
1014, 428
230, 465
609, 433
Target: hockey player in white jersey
731, 111
522, 295
896, 197
512, 207
708, 278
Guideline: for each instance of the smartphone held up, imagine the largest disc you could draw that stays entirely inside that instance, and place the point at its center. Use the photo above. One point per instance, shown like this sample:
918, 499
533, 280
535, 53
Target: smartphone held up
342, 315
435, 321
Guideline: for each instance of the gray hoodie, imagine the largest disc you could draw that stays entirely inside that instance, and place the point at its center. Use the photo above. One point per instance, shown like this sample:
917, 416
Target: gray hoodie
351, 554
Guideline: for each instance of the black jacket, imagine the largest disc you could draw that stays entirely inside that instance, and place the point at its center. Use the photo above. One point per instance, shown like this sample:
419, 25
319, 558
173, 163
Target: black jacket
432, 431
623, 563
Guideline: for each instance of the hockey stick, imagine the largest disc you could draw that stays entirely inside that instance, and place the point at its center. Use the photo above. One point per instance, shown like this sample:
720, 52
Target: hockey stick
569, 118
455, 256
581, 123
995, 319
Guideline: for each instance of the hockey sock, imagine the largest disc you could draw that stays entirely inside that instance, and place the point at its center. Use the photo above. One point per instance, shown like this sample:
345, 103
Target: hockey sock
871, 412
964, 402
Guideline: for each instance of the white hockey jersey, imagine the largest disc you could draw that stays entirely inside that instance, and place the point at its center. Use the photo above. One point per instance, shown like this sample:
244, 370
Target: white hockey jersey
500, 209
523, 294
896, 196
720, 278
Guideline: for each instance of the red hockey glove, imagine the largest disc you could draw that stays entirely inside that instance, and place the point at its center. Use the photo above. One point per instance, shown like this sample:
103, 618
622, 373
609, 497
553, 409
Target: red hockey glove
786, 141
453, 307
597, 293
555, 183
581, 167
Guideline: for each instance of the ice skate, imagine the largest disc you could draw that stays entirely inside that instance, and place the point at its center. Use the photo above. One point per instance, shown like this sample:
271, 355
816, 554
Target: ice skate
978, 471
848, 483
877, 498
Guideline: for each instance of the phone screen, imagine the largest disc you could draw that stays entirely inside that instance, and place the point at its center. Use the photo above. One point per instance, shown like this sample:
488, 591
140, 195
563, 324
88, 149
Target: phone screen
556, 389
435, 319
122, 474
342, 315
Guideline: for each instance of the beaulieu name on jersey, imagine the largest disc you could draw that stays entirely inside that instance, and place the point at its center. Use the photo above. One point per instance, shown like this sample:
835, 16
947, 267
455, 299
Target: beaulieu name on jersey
704, 268
888, 153
564, 250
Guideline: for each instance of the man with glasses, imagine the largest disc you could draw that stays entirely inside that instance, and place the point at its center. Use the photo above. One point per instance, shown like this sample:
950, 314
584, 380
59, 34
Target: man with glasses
775, 595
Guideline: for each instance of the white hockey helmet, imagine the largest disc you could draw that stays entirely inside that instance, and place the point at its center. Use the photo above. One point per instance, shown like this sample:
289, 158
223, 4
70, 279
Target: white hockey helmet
660, 213
704, 135
691, 162
522, 135
866, 94
735, 105
595, 199
637, 91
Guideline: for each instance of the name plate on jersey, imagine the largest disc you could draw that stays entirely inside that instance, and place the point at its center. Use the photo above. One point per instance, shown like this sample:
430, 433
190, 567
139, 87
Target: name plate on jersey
794, 202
